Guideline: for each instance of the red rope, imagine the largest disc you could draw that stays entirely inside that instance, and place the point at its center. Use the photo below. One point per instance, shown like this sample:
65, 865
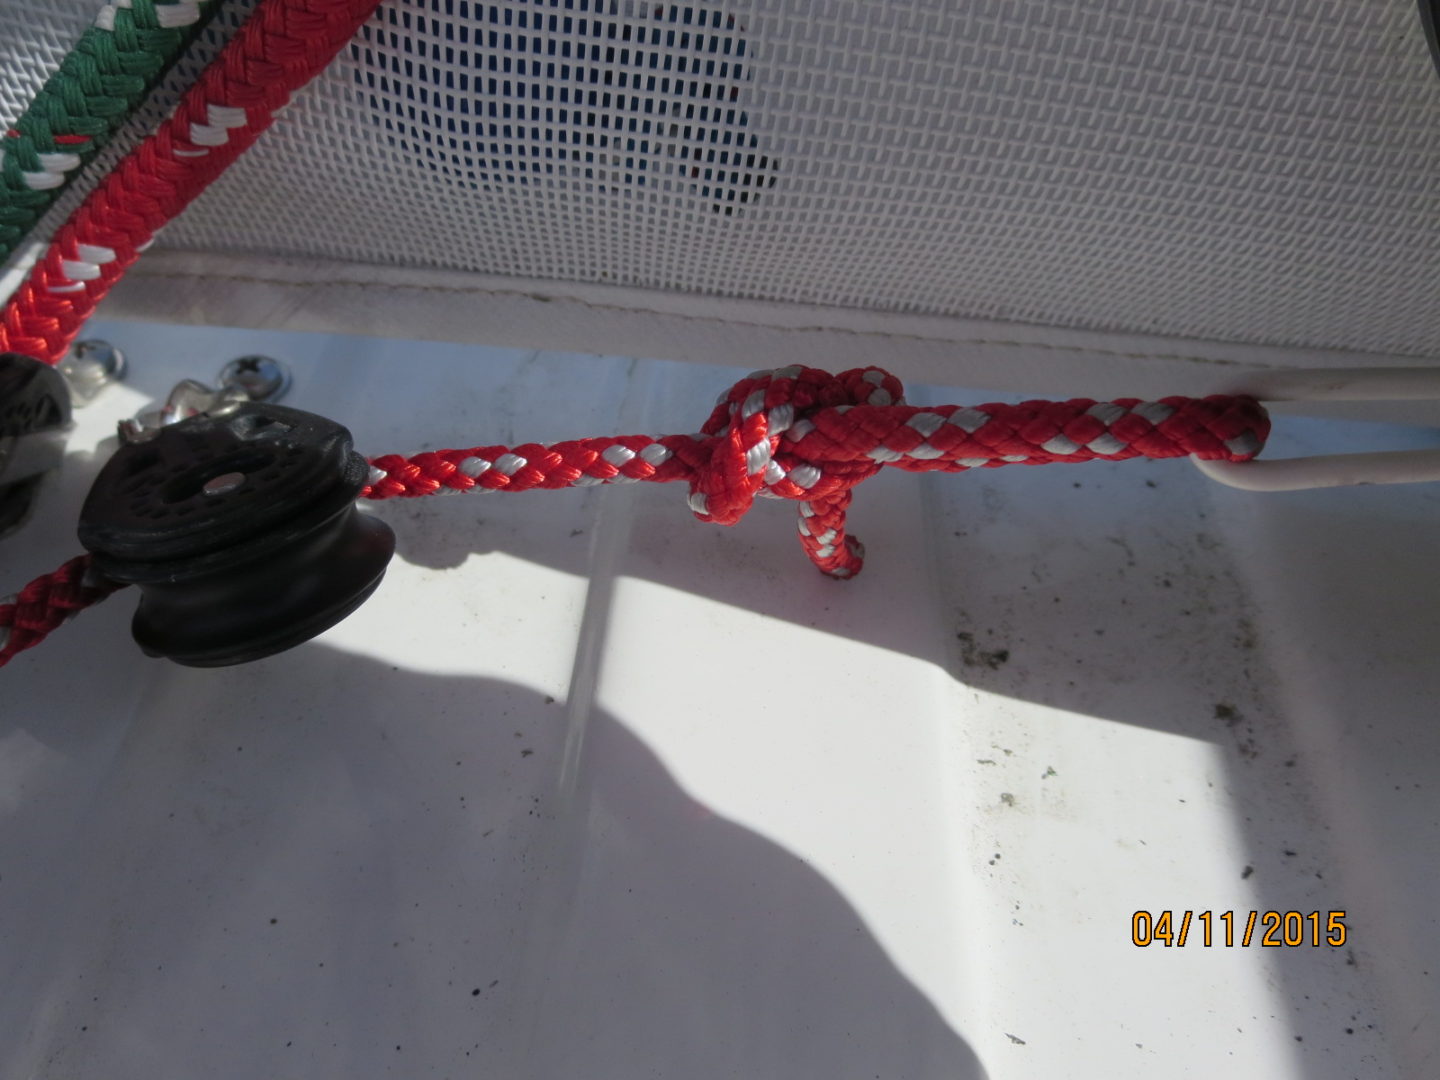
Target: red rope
46, 603
803, 434
281, 47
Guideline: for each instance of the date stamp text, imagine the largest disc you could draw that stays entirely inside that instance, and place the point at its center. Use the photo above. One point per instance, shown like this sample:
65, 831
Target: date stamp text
1227, 929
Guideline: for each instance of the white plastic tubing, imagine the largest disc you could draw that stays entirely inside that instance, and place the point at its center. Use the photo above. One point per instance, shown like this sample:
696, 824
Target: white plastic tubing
1335, 470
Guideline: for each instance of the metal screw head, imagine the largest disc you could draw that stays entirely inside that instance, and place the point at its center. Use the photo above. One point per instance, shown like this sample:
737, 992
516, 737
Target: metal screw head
224, 483
90, 367
262, 378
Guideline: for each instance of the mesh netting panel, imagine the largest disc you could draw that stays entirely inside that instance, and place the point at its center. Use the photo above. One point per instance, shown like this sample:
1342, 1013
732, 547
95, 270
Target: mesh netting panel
1252, 170
35, 35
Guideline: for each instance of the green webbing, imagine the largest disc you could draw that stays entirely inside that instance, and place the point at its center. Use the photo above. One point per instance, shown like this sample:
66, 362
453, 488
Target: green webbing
98, 85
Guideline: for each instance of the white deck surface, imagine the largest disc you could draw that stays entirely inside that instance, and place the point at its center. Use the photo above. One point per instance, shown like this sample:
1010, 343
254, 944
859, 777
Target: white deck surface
591, 790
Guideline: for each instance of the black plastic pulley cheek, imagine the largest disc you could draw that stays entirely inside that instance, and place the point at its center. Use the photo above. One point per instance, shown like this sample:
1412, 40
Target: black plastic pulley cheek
34, 413
1430, 21
33, 396
240, 530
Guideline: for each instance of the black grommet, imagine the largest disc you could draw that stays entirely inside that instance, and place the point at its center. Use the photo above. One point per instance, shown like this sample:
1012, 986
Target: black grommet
240, 530
34, 399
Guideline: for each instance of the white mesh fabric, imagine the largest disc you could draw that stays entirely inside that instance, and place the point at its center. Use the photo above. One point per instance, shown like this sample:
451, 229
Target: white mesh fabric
1249, 170
35, 35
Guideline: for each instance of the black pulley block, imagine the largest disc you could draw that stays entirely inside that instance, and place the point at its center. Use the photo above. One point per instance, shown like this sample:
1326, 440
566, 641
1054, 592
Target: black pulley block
34, 401
240, 530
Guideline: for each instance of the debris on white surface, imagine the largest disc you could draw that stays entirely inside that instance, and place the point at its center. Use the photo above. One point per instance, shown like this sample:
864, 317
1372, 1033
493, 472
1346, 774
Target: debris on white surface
590, 789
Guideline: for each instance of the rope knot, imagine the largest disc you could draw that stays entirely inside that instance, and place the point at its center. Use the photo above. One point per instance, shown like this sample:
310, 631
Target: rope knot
747, 458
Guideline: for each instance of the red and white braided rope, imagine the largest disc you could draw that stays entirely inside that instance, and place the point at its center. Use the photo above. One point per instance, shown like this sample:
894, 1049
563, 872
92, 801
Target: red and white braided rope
804, 434
281, 47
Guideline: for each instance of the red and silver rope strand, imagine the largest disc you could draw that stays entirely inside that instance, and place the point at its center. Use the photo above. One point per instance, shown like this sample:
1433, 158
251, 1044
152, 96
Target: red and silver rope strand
809, 436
